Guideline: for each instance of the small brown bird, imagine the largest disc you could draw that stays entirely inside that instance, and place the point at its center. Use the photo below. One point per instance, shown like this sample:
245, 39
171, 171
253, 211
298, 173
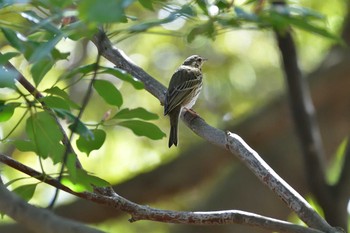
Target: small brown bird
184, 88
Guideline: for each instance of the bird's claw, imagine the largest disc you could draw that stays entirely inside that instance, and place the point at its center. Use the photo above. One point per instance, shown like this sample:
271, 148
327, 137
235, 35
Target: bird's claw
191, 111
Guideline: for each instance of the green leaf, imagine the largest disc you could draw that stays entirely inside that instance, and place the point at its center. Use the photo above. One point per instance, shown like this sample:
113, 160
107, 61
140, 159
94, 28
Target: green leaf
206, 29
58, 55
71, 166
77, 30
8, 78
307, 26
153, 23
7, 110
315, 205
4, 58
82, 69
144, 26
336, 165
24, 146
243, 15
90, 144
120, 74
45, 49
231, 22
123, 75
141, 128
30, 47
39, 22
108, 92
12, 38
285, 17
75, 124
43, 131
186, 10
26, 192
55, 102
40, 69
202, 5
61, 4
61, 93
84, 181
223, 4
148, 4
75, 185
103, 11
97, 181
57, 91
140, 113
305, 12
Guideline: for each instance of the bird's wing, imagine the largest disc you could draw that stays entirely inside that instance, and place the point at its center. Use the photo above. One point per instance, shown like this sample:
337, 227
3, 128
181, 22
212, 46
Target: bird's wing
182, 83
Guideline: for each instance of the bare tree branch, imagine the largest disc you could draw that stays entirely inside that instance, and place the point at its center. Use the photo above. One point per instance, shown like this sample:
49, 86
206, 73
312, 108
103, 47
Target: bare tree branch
139, 212
36, 219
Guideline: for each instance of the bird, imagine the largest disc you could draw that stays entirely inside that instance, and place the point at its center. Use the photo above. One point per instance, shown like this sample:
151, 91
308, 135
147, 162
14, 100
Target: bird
183, 91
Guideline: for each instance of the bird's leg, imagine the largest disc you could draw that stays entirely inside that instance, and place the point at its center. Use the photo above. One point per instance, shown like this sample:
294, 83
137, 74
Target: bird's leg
191, 111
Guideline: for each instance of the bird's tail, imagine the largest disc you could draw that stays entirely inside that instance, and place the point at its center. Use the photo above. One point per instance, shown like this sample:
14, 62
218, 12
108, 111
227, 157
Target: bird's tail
174, 120
173, 135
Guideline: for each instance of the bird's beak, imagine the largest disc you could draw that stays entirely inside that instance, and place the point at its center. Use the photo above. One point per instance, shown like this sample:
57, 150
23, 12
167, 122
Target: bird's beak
204, 59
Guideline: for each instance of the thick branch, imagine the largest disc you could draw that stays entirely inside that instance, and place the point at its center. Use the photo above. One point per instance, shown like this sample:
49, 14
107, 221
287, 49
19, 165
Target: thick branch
35, 219
140, 212
305, 121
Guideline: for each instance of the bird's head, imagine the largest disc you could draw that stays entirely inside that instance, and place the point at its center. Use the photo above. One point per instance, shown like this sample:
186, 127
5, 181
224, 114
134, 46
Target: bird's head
194, 61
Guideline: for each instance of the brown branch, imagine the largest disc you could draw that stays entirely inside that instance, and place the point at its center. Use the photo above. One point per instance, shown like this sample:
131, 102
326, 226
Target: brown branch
304, 117
139, 212
236, 145
35, 219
